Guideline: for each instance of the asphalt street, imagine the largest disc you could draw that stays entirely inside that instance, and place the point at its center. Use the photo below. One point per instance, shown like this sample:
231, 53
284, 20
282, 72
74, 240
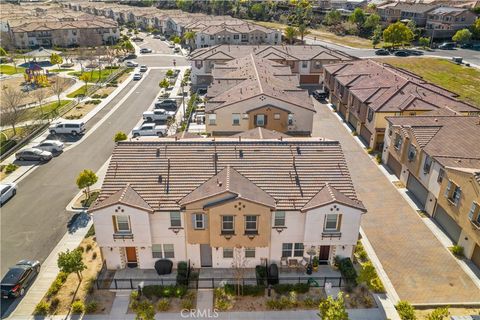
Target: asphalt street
35, 220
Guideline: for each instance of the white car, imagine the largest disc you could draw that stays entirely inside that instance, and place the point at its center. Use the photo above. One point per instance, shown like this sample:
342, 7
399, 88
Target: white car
137, 76
53, 146
158, 115
149, 129
171, 45
131, 64
7, 190
143, 68
67, 126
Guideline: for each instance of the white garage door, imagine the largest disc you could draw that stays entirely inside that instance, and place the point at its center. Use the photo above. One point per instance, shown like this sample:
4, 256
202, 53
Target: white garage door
418, 190
449, 225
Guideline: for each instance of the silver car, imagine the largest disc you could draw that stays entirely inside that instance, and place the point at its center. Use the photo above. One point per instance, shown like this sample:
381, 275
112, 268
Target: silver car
33, 154
53, 146
7, 190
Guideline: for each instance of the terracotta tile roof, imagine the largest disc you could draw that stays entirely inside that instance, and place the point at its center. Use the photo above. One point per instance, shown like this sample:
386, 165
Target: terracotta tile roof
126, 196
328, 195
164, 171
451, 140
254, 78
261, 133
229, 181
185, 135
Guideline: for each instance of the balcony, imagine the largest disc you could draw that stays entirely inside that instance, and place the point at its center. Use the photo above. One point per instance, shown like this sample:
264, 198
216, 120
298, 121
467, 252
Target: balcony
123, 236
331, 235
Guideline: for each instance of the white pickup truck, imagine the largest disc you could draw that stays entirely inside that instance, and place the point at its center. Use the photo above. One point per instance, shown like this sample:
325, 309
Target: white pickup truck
149, 129
158, 115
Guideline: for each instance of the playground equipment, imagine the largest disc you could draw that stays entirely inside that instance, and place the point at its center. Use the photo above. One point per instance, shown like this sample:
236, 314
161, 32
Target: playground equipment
35, 74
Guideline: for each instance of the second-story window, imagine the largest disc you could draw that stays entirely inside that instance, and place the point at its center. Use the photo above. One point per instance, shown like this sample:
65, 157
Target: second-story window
453, 193
441, 173
474, 213
122, 224
279, 219
251, 224
212, 118
175, 220
227, 224
412, 152
304, 64
427, 164
198, 221
236, 119
332, 222
370, 115
398, 141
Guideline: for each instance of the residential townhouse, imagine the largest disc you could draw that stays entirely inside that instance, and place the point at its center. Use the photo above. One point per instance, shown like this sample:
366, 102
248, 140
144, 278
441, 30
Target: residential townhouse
444, 22
365, 92
397, 11
200, 199
255, 92
347, 4
437, 157
305, 61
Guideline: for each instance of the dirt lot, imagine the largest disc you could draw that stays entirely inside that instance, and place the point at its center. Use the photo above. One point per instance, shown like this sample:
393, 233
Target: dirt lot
79, 111
29, 97
71, 291
105, 90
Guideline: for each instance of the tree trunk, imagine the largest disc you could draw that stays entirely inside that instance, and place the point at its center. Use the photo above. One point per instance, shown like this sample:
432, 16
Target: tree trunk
14, 129
79, 275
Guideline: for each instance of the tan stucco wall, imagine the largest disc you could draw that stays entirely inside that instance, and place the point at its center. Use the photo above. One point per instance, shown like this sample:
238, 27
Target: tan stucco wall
280, 125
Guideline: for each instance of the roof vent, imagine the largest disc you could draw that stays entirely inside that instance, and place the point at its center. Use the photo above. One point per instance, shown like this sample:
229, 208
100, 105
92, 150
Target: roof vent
299, 152
240, 153
158, 152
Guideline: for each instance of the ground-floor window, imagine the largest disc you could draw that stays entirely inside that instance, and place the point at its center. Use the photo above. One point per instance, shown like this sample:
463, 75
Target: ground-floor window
227, 253
163, 251
292, 249
249, 252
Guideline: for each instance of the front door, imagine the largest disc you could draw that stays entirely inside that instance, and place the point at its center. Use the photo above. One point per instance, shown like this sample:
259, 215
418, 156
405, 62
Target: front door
324, 254
131, 257
205, 255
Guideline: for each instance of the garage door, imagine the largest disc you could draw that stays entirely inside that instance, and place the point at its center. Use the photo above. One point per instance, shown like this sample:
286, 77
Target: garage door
343, 110
365, 134
418, 190
451, 228
394, 165
309, 79
353, 121
476, 256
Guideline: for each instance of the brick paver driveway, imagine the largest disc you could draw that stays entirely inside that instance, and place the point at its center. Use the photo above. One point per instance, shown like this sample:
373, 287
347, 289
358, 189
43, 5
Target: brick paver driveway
419, 267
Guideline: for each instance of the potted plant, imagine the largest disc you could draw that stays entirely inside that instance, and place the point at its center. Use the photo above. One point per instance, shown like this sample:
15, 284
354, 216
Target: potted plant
315, 263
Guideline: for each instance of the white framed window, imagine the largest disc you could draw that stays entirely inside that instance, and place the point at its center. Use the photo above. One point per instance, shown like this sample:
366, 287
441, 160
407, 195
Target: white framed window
290, 119
453, 193
168, 251
260, 120
157, 251
474, 214
331, 222
427, 164
279, 220
412, 152
228, 224
227, 253
212, 119
276, 116
249, 252
175, 219
287, 249
398, 141
292, 250
304, 63
298, 250
122, 223
198, 221
236, 119
251, 224
441, 173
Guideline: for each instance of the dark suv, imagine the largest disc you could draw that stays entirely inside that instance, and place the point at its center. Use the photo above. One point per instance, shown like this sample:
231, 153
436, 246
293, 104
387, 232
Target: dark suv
19, 277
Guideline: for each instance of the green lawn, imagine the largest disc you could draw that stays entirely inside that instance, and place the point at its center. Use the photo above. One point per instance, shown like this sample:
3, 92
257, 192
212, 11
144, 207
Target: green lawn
462, 80
80, 91
60, 70
95, 74
6, 69
36, 113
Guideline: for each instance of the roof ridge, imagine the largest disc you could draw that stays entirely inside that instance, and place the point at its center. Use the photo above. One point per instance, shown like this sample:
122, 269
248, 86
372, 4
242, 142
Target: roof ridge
124, 192
256, 73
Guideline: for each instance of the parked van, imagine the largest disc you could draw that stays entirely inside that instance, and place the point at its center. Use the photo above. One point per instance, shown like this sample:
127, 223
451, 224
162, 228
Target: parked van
67, 126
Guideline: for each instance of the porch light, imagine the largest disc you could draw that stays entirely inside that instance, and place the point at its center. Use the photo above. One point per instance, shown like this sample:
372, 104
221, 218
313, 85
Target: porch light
279, 229
228, 236
251, 236
175, 230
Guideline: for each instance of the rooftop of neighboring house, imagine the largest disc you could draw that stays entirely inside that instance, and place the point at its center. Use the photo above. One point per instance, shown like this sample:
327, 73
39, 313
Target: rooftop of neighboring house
442, 11
164, 174
453, 141
385, 88
261, 133
252, 77
274, 52
57, 25
409, 7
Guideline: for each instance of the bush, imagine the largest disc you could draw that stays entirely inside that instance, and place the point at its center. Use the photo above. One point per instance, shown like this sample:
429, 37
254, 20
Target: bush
10, 168
348, 271
163, 305
57, 284
134, 299
438, 314
78, 307
378, 157
287, 287
182, 273
88, 247
164, 291
187, 304
91, 307
279, 304
91, 232
96, 96
368, 275
120, 136
90, 285
311, 302
457, 250
405, 311
42, 308
54, 304
261, 275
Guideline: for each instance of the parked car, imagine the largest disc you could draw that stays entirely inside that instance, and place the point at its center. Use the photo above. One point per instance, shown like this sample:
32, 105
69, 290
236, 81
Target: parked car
149, 129
131, 64
158, 115
171, 45
319, 94
447, 46
137, 76
7, 191
137, 39
163, 38
415, 52
176, 50
143, 68
32, 154
145, 50
157, 36
131, 56
67, 127
169, 105
201, 91
53, 146
18, 278
382, 52
401, 53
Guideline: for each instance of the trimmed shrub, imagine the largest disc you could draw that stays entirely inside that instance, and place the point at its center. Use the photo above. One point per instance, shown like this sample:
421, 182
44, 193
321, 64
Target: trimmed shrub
279, 304
187, 304
405, 311
54, 304
78, 307
457, 250
348, 271
182, 273
163, 305
91, 307
57, 284
42, 308
287, 287
261, 275
164, 291
10, 168
438, 314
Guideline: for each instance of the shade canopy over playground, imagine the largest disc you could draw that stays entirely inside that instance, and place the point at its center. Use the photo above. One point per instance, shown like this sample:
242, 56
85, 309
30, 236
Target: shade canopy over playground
42, 53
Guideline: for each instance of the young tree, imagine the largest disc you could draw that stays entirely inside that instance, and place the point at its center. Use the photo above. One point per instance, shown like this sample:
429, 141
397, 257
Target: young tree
413, 27
462, 36
476, 29
85, 180
397, 34
164, 83
333, 309
169, 73
189, 38
239, 263
333, 18
40, 95
257, 11
357, 17
59, 85
56, 59
438, 314
290, 33
71, 261
303, 31
12, 110
85, 77
377, 36
371, 22
424, 42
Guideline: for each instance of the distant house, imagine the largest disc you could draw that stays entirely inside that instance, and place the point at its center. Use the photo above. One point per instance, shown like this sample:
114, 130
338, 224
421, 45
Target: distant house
444, 22
252, 92
397, 11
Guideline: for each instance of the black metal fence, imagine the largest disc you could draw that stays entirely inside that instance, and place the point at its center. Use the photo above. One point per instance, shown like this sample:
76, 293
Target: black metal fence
211, 283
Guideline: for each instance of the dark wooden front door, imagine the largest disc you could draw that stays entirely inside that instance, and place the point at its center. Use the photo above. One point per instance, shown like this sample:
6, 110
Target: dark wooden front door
131, 257
324, 254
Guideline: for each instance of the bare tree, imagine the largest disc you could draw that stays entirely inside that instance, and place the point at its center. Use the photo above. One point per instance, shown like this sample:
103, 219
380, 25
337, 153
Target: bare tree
12, 111
239, 263
40, 94
59, 85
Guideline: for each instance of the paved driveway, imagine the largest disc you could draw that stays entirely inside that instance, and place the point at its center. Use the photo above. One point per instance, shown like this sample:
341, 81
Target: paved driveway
419, 267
